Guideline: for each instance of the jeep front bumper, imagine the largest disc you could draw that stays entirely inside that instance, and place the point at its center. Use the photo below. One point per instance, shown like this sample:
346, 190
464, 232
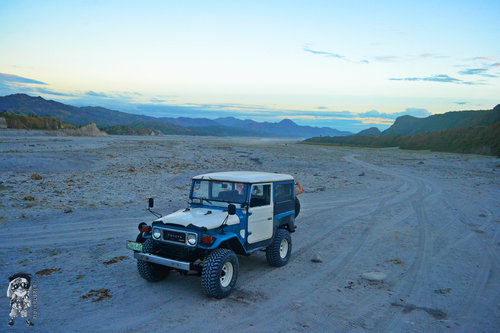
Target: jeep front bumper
185, 266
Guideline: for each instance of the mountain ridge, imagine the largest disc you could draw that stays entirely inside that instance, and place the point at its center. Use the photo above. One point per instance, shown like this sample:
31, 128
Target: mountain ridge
103, 117
467, 132
409, 125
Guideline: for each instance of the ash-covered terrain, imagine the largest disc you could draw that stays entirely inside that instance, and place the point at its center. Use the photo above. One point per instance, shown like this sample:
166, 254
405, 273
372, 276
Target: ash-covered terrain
400, 240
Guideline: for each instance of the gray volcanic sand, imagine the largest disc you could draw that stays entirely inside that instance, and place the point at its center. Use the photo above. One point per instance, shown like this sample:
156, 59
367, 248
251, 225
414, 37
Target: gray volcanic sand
428, 221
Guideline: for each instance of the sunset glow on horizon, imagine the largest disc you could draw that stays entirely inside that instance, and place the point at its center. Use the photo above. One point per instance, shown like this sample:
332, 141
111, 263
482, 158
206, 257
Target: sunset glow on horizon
348, 66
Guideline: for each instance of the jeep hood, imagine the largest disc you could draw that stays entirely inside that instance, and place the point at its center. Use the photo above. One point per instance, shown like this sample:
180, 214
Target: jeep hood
200, 217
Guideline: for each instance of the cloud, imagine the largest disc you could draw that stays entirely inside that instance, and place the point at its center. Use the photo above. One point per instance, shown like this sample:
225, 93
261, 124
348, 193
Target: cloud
480, 71
114, 94
461, 103
416, 112
157, 100
321, 108
306, 48
432, 56
483, 58
373, 113
428, 55
13, 84
443, 78
18, 79
126, 101
473, 71
41, 90
386, 58
333, 114
435, 78
359, 120
483, 66
96, 94
383, 58
228, 107
328, 54
374, 121
422, 56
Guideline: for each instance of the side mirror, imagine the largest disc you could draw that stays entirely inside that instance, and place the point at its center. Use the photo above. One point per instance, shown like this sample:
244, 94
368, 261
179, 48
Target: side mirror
231, 209
151, 202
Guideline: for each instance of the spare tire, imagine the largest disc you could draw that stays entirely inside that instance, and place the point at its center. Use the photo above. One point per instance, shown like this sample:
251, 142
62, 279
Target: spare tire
297, 206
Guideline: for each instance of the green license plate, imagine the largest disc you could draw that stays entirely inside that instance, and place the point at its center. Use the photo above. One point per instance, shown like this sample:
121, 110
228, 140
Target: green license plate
134, 246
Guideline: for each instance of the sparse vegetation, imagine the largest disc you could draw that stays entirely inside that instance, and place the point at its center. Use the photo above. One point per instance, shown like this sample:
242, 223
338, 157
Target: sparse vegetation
474, 140
22, 121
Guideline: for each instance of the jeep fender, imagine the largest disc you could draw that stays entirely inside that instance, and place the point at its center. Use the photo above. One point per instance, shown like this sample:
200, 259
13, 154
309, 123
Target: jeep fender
286, 221
229, 241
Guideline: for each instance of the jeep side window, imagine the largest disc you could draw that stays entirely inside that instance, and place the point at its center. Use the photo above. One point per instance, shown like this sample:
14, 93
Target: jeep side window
261, 195
283, 192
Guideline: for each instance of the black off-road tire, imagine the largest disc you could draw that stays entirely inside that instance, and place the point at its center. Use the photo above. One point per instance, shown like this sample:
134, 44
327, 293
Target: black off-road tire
214, 272
297, 206
148, 271
278, 253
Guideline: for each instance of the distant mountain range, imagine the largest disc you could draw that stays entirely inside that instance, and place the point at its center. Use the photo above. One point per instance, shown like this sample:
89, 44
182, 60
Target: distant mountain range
457, 131
116, 122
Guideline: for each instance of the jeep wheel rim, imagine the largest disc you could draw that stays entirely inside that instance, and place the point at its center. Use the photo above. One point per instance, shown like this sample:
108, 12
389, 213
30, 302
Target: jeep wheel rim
283, 248
226, 275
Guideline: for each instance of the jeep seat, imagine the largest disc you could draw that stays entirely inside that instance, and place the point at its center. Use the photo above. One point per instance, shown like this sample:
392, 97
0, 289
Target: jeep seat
232, 196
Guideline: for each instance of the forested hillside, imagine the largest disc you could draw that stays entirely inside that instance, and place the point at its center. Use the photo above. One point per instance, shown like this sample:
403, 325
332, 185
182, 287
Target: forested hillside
481, 138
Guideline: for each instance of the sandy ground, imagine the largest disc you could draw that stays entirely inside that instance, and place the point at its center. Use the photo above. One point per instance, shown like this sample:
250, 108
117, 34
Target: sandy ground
429, 221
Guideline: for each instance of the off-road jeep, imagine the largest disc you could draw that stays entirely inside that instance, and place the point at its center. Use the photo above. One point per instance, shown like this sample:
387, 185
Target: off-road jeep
229, 213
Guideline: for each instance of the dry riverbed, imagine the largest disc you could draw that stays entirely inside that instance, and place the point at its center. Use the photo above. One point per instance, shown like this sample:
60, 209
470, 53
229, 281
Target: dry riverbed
400, 240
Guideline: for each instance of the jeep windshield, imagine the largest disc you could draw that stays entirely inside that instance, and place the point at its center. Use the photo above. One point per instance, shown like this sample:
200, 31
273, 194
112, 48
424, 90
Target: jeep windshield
220, 191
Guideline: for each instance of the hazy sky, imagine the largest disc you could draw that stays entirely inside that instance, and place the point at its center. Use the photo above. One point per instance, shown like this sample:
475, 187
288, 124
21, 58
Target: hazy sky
344, 64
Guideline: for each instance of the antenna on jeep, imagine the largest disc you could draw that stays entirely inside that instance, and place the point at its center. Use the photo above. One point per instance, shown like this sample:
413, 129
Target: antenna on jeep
224, 224
151, 203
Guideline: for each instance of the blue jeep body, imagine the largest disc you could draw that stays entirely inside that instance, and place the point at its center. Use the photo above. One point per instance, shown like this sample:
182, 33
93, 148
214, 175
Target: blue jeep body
173, 244
239, 212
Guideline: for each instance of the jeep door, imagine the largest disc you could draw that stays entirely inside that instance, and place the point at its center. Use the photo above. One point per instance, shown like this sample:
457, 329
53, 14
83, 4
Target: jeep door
260, 219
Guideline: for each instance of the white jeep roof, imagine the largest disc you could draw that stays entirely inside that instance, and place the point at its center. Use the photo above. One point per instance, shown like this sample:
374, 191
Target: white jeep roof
245, 176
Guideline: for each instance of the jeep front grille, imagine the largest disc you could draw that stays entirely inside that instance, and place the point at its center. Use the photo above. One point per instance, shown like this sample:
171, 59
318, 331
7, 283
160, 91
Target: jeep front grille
177, 237
177, 251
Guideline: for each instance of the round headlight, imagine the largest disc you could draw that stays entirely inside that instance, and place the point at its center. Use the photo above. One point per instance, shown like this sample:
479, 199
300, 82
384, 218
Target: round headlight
156, 233
191, 239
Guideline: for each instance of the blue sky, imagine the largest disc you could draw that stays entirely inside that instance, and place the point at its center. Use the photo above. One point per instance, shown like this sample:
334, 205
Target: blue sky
348, 65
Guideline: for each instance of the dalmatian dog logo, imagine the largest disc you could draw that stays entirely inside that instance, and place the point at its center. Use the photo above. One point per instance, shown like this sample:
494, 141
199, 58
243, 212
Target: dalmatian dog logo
19, 294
